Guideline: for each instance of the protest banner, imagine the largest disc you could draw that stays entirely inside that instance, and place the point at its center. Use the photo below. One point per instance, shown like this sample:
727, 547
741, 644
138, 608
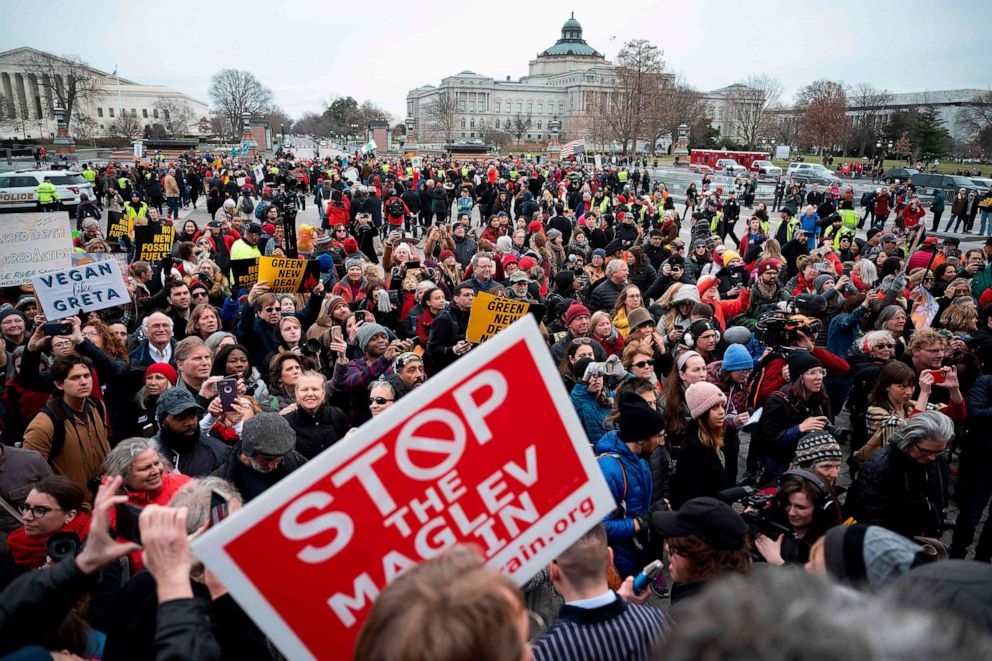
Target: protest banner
153, 242
79, 289
244, 273
491, 314
33, 243
449, 463
116, 228
289, 276
259, 175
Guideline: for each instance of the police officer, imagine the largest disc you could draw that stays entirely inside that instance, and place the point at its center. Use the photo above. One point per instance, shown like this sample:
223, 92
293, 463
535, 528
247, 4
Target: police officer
48, 195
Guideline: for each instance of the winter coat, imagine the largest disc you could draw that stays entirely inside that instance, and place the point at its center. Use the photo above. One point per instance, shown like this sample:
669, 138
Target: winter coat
200, 460
895, 491
699, 471
231, 472
315, 432
591, 412
779, 427
604, 295
624, 472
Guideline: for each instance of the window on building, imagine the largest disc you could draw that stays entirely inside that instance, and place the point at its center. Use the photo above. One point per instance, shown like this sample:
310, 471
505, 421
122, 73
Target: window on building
144, 113
530, 107
497, 122
497, 106
463, 134
99, 112
528, 136
551, 107
166, 113
472, 123
463, 124
471, 135
540, 108
134, 112
561, 106
539, 125
155, 113
461, 106
482, 105
520, 106
111, 111
471, 106
101, 126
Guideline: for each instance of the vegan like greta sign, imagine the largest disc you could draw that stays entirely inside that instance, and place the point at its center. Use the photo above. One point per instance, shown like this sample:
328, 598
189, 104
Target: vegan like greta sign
451, 462
79, 289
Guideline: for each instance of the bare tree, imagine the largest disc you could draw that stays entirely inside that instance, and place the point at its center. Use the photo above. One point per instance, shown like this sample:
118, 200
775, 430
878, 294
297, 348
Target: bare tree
176, 116
786, 125
126, 126
441, 115
679, 103
638, 75
868, 103
312, 123
750, 107
62, 81
83, 128
975, 116
236, 92
825, 123
495, 137
204, 126
370, 112
520, 126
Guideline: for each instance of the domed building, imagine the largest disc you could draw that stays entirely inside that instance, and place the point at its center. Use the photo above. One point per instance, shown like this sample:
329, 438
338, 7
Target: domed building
570, 53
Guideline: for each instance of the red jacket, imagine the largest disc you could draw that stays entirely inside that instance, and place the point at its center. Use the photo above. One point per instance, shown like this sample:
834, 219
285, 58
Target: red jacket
723, 310
912, 218
338, 215
774, 379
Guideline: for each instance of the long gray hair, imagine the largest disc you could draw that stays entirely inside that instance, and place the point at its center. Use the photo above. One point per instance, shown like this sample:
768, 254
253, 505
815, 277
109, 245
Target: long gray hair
118, 463
927, 425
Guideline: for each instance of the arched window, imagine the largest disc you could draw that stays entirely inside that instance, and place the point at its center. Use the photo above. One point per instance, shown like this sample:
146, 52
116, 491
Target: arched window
463, 122
471, 124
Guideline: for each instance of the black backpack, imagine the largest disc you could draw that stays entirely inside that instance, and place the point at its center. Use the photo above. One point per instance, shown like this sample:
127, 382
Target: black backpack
58, 426
396, 207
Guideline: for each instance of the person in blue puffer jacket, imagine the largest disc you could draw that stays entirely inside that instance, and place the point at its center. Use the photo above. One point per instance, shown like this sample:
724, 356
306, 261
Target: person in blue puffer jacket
592, 401
623, 457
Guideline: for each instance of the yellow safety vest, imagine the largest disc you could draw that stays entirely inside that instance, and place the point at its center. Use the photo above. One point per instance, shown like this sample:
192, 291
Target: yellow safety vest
47, 193
622, 176
90, 176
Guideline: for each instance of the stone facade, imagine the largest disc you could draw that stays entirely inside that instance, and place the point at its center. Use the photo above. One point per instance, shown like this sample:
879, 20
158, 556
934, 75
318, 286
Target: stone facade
26, 106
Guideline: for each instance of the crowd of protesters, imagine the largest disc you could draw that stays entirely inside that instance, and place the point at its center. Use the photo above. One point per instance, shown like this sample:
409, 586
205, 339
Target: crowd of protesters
809, 394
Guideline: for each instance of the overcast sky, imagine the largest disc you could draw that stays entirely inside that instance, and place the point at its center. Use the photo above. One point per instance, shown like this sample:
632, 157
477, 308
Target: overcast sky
308, 52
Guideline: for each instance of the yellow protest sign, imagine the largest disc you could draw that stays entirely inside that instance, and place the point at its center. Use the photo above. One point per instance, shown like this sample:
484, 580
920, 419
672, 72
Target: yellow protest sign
289, 276
491, 314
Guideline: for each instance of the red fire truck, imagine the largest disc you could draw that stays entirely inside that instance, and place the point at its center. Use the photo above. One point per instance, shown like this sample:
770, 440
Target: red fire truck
711, 156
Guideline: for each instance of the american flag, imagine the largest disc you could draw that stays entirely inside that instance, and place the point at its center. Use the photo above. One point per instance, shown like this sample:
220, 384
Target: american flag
572, 148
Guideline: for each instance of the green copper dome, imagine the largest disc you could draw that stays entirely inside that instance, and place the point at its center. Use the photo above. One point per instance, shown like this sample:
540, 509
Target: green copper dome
571, 42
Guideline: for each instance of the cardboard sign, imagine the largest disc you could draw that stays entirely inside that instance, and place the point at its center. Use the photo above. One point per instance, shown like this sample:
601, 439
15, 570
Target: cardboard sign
79, 289
491, 314
449, 463
153, 242
290, 276
244, 273
116, 228
33, 243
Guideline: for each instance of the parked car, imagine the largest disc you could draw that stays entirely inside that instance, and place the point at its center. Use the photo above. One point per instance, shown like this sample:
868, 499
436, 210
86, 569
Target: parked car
949, 183
902, 174
982, 182
18, 188
766, 169
812, 173
700, 168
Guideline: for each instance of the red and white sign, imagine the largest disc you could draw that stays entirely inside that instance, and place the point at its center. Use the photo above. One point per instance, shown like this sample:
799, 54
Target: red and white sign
489, 452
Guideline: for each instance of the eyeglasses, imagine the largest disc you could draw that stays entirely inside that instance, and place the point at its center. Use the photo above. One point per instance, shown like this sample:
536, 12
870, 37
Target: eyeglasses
641, 364
378, 400
272, 309
581, 340
37, 511
65, 344
199, 294
885, 345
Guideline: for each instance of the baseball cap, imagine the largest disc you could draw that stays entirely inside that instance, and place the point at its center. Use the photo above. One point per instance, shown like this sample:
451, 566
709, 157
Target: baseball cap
175, 401
253, 227
707, 518
889, 238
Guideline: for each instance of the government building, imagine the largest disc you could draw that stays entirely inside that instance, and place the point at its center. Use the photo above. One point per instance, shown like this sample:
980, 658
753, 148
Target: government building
27, 101
567, 82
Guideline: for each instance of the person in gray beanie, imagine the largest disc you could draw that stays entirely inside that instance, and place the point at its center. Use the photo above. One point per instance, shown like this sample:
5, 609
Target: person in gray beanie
863, 554
819, 452
265, 455
378, 352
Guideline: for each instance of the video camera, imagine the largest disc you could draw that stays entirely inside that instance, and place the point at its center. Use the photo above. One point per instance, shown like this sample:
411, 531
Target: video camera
758, 511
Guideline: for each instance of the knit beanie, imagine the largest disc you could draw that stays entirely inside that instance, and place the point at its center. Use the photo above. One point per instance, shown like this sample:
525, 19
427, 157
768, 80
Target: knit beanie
575, 310
736, 357
11, 310
700, 397
820, 280
527, 263
701, 326
366, 333
599, 252
350, 245
445, 254
766, 264
801, 361
504, 244
888, 556
353, 262
267, 433
738, 335
165, 369
326, 262
814, 447
637, 420
729, 256
198, 284
842, 552
510, 259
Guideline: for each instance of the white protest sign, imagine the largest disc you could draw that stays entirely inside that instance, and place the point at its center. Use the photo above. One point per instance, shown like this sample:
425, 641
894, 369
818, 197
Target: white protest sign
33, 243
79, 289
451, 462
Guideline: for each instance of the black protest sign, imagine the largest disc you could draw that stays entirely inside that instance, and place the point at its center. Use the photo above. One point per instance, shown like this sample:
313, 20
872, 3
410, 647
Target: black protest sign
244, 273
153, 242
116, 228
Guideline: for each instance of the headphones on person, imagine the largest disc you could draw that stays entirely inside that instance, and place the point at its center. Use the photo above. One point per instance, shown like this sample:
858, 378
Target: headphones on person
818, 484
690, 341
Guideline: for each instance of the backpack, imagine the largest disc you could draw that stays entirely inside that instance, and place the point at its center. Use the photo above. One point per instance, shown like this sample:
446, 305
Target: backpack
757, 378
613, 576
247, 206
58, 426
260, 210
395, 207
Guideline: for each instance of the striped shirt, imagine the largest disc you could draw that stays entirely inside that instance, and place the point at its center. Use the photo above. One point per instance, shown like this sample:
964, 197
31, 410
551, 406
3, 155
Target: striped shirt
617, 630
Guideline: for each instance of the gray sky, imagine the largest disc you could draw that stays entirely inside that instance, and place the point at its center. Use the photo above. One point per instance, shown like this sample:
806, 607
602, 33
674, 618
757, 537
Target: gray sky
307, 52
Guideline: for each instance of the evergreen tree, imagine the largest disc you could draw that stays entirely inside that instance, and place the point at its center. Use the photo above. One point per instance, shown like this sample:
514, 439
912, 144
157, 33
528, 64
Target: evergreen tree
929, 135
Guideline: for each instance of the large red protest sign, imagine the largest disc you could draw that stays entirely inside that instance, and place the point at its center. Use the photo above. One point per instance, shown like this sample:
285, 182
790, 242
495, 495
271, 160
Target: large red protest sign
489, 452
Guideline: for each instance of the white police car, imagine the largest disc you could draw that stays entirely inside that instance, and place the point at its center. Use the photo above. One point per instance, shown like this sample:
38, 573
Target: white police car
18, 188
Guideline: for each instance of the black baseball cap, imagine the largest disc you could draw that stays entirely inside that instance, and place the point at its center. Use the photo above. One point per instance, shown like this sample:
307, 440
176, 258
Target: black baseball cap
707, 518
253, 228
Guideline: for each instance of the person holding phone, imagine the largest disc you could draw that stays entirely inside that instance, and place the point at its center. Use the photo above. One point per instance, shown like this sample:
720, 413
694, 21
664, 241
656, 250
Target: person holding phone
181, 436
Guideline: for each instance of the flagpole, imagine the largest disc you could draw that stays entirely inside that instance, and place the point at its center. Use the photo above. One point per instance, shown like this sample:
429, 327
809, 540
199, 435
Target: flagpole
120, 104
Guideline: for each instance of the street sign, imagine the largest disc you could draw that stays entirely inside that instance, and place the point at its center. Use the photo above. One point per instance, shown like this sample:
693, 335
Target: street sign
489, 451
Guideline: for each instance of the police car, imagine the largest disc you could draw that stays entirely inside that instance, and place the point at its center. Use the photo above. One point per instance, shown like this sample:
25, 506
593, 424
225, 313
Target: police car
17, 188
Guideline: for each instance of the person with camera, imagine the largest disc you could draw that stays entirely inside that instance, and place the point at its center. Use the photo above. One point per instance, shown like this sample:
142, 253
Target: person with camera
803, 505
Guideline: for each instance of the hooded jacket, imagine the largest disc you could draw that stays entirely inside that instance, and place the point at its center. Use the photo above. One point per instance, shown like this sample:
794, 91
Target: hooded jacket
629, 479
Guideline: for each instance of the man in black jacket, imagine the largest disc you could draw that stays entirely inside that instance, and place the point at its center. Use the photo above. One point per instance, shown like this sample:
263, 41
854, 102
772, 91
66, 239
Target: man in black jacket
265, 455
447, 339
191, 451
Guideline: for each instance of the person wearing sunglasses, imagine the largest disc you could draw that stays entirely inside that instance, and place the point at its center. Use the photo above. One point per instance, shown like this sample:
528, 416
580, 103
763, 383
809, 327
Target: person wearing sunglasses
54, 505
904, 486
381, 396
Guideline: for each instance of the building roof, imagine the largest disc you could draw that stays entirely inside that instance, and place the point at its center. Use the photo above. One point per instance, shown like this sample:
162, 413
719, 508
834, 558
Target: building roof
27, 50
571, 42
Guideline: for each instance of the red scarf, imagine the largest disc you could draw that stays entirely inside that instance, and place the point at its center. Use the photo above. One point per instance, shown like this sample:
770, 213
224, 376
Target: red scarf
29, 552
